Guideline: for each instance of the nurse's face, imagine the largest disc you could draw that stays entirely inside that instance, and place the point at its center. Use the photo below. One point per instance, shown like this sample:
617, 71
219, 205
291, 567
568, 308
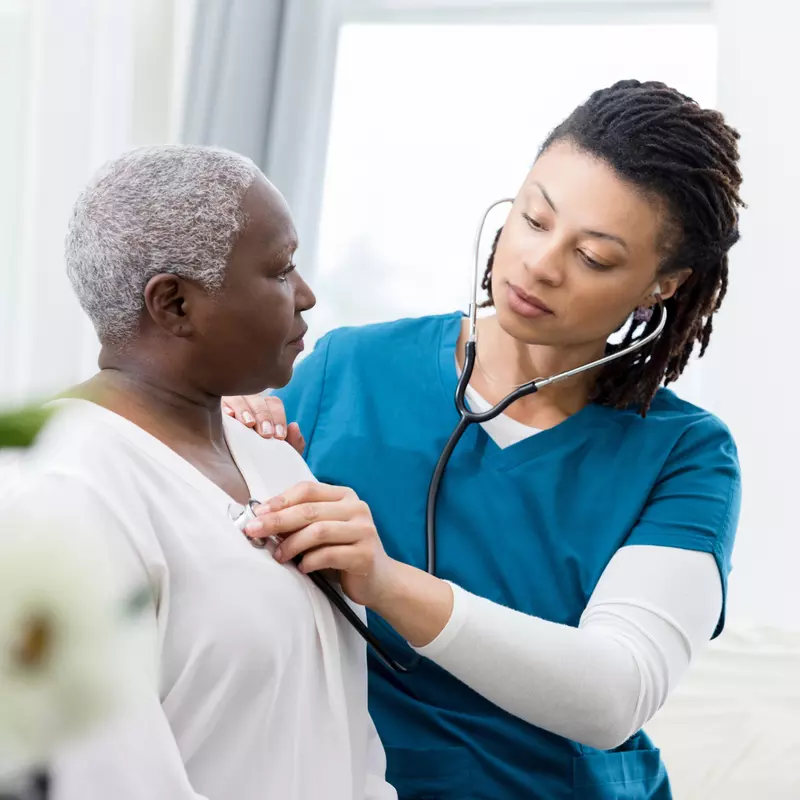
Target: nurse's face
578, 253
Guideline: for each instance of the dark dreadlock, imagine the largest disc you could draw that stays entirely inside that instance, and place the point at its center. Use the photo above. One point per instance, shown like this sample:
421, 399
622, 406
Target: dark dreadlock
686, 158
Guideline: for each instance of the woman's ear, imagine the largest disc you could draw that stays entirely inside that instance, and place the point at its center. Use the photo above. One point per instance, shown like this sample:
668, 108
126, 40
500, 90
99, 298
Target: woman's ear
167, 303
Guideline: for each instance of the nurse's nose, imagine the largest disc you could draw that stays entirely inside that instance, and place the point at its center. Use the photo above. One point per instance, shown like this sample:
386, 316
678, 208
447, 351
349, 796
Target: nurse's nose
546, 263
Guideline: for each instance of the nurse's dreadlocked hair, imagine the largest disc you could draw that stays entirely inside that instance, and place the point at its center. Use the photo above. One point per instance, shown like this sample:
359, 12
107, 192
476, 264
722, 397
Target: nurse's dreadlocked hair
686, 158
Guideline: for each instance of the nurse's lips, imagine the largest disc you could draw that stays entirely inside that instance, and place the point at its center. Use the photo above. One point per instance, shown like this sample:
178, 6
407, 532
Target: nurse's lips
527, 305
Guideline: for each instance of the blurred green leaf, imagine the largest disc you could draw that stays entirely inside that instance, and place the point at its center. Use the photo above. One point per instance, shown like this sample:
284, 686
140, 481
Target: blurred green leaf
19, 428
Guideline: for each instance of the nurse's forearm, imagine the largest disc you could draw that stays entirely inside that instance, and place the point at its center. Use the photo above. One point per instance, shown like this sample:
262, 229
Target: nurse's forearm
417, 605
596, 684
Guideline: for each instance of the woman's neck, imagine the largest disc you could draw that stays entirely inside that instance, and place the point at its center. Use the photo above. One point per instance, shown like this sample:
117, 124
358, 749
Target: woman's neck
504, 362
166, 410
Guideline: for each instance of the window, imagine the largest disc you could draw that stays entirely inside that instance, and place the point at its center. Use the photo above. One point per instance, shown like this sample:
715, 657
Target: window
431, 123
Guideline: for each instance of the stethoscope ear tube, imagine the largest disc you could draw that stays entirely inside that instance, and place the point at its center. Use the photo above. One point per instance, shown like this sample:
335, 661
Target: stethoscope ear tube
467, 417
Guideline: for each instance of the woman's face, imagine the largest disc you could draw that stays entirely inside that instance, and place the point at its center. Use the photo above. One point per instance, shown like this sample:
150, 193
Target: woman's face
578, 253
250, 332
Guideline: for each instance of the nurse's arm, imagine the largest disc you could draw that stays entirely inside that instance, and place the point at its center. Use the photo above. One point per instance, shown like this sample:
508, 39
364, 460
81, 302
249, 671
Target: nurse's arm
417, 605
597, 684
652, 611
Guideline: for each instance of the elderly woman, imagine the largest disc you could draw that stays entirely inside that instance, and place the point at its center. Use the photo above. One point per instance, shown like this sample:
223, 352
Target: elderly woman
183, 259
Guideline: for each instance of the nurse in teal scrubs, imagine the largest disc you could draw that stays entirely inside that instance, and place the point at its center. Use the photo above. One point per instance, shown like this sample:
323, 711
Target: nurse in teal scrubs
584, 538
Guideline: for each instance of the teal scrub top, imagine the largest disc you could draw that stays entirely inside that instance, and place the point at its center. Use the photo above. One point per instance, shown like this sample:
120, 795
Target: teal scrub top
531, 526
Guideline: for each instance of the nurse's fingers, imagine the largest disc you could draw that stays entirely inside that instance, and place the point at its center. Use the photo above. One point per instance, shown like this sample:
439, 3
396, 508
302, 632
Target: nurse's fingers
239, 408
303, 515
341, 558
265, 414
295, 438
322, 534
270, 416
307, 492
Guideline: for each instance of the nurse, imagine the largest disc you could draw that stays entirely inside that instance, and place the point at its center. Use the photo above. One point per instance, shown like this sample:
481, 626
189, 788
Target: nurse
584, 537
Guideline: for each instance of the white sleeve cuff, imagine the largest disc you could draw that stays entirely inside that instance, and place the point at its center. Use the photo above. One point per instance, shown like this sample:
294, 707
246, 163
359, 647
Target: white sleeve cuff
454, 625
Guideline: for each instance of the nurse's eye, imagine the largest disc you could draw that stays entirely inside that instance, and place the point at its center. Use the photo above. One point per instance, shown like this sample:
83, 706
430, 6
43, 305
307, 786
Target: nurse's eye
284, 276
533, 223
592, 263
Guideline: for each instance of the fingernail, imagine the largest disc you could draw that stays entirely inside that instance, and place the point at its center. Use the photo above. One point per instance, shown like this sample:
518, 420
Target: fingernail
254, 528
227, 410
280, 431
278, 554
248, 418
266, 428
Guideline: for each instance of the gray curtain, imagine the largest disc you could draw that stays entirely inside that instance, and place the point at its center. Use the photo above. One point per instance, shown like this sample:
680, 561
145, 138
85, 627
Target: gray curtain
233, 74
260, 83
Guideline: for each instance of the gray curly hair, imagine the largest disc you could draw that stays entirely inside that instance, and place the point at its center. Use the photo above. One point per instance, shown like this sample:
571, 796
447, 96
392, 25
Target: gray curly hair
165, 209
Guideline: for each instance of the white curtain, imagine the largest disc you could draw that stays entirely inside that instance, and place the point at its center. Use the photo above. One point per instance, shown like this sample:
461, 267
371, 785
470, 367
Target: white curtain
80, 82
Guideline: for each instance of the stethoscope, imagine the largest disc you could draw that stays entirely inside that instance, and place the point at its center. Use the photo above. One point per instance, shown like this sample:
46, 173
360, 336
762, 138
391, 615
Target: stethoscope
468, 417
242, 515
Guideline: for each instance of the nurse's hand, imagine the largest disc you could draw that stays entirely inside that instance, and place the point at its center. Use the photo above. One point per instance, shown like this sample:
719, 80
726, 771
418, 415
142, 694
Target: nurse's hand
331, 528
267, 416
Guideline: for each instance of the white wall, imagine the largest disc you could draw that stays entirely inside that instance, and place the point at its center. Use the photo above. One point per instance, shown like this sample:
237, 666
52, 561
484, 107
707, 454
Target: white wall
750, 377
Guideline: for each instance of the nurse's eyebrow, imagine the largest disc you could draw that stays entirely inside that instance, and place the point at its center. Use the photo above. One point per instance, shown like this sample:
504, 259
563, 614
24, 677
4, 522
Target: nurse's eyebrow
594, 234
547, 197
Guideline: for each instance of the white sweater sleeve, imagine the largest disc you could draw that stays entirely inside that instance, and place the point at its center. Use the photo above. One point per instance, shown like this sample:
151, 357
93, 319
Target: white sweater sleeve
598, 684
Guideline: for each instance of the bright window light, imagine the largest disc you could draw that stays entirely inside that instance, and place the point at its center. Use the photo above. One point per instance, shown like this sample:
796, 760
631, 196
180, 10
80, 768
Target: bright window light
432, 122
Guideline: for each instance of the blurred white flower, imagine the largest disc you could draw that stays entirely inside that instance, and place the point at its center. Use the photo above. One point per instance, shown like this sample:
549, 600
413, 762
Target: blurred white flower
64, 663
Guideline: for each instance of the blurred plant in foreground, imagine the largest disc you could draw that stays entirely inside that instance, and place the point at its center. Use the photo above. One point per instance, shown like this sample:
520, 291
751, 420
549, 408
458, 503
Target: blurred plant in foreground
63, 629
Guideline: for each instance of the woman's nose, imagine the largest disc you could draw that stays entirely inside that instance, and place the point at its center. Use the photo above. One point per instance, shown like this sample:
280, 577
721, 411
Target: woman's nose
304, 297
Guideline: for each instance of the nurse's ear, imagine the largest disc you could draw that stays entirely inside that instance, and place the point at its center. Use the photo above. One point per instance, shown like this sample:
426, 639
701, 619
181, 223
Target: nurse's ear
169, 302
666, 286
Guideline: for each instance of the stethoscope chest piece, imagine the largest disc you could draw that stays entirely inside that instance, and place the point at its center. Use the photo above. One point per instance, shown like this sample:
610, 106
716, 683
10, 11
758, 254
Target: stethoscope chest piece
241, 516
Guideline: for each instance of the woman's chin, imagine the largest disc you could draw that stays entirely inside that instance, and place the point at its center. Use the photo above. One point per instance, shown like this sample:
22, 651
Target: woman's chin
281, 373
